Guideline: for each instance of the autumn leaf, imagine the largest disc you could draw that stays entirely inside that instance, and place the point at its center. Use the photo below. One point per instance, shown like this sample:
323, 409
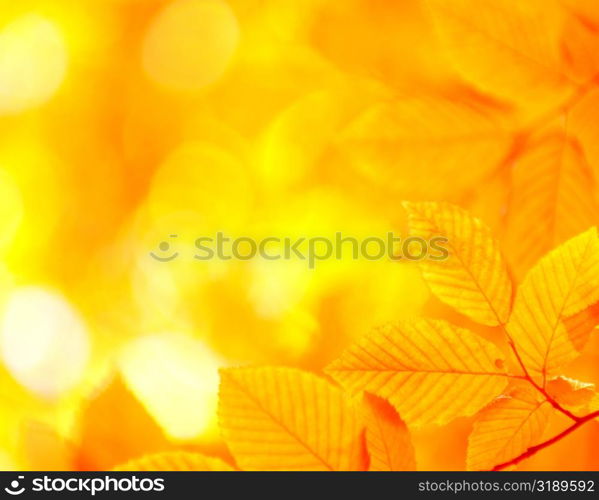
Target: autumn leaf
579, 46
374, 24
583, 125
506, 48
563, 283
473, 279
387, 437
407, 145
553, 198
430, 370
175, 461
44, 448
580, 326
285, 419
115, 427
507, 428
586, 10
572, 393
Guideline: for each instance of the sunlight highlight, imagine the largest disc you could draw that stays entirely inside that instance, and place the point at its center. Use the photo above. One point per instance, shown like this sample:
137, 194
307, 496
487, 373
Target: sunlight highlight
33, 63
44, 342
163, 370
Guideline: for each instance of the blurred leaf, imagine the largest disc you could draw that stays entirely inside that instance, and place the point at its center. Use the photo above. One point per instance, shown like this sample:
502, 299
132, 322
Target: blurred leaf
409, 145
583, 125
115, 428
553, 199
509, 49
44, 448
580, 37
370, 38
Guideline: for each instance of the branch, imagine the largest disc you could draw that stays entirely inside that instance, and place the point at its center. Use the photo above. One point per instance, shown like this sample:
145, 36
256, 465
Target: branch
535, 449
542, 390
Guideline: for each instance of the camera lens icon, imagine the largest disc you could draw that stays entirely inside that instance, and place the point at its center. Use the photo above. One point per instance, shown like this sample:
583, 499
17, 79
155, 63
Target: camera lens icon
14, 489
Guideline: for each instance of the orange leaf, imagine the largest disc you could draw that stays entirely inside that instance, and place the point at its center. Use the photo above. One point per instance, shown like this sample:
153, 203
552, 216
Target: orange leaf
175, 461
430, 370
579, 44
44, 448
507, 428
115, 428
583, 124
580, 325
387, 437
408, 145
474, 278
570, 392
285, 419
509, 49
586, 10
563, 283
553, 199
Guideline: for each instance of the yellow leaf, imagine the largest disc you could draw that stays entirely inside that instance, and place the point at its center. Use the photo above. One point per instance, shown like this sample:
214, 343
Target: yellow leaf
507, 428
408, 145
509, 49
570, 392
175, 461
563, 283
474, 278
430, 370
387, 437
553, 199
285, 419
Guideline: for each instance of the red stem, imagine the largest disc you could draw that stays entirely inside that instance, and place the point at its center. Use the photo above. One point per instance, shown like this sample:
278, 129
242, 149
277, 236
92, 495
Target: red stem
535, 449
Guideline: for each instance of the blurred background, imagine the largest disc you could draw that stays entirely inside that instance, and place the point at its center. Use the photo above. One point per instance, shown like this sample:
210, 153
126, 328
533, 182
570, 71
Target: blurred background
125, 121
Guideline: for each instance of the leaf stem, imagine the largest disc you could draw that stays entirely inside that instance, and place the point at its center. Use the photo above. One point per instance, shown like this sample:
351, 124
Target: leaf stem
580, 421
542, 390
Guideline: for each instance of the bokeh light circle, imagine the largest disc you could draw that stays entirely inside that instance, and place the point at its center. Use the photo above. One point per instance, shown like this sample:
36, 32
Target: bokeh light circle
190, 44
43, 341
33, 63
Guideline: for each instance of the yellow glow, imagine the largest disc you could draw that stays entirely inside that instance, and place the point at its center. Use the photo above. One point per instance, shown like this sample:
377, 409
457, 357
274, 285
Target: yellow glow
33, 63
6, 463
11, 209
277, 286
44, 343
176, 377
203, 179
190, 43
